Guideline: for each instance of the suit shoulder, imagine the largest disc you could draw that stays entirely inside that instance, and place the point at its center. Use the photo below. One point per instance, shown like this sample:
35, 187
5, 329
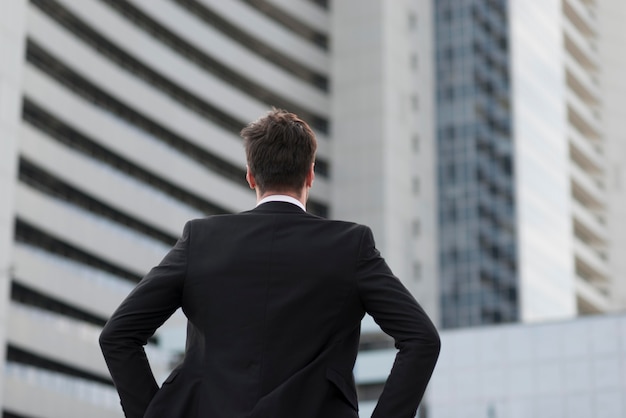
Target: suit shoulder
348, 226
208, 221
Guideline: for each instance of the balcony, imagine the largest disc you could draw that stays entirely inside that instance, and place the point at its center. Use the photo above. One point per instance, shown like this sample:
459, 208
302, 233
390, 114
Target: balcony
583, 116
585, 186
586, 78
584, 93
590, 224
55, 337
107, 240
106, 184
590, 299
584, 152
581, 48
581, 16
34, 392
86, 288
589, 260
138, 146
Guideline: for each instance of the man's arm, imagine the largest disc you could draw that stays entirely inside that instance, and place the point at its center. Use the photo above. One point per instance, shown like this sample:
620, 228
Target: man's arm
398, 314
145, 309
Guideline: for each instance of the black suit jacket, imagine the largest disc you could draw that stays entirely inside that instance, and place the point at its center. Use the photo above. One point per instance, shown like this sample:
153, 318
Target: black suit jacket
274, 299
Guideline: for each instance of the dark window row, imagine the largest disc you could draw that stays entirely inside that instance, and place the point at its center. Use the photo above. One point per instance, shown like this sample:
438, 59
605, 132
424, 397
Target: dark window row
253, 44
497, 9
476, 315
293, 24
19, 355
8, 414
42, 59
56, 129
493, 185
133, 65
489, 247
495, 218
79, 85
198, 57
49, 184
322, 3
475, 157
27, 296
30, 235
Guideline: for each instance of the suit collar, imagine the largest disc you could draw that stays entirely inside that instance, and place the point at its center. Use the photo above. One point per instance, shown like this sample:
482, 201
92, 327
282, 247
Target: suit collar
276, 206
282, 198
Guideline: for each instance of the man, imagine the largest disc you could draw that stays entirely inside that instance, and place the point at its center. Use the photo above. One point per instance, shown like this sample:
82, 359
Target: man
274, 299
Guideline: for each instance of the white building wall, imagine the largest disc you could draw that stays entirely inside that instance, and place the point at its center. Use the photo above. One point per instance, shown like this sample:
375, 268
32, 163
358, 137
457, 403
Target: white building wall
357, 68
546, 270
39, 393
425, 267
12, 40
110, 171
588, 161
569, 369
611, 17
383, 146
398, 124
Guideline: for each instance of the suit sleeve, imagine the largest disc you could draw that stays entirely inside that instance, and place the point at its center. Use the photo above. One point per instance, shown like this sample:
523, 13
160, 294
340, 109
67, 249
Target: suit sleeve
399, 315
147, 307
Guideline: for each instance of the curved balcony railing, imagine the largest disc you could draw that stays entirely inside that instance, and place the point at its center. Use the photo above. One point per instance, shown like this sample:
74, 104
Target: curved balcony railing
97, 394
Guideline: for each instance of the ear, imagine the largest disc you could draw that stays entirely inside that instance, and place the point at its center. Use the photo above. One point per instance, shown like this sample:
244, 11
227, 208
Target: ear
250, 178
310, 176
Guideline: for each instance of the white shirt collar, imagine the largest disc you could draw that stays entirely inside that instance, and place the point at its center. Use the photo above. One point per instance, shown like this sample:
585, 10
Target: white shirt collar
282, 198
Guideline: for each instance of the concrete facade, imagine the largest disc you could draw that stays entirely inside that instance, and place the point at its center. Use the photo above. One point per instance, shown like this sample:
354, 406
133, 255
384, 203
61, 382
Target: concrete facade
119, 122
574, 368
610, 18
12, 42
545, 246
383, 147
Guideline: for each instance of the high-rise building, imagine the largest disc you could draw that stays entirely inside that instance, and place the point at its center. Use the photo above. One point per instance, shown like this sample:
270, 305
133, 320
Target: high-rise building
119, 122
610, 23
383, 153
480, 139
383, 171
570, 368
522, 159
475, 153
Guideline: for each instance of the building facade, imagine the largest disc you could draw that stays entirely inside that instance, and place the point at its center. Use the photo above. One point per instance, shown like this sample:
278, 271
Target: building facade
523, 168
382, 149
481, 140
613, 89
120, 121
562, 369
476, 183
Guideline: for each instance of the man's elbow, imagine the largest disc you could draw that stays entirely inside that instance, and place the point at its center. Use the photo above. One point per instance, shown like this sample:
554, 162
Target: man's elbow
431, 342
436, 343
434, 337
426, 341
107, 339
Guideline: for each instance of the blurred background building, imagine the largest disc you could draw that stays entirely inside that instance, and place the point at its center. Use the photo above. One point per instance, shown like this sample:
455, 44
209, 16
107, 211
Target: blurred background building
481, 140
567, 369
522, 155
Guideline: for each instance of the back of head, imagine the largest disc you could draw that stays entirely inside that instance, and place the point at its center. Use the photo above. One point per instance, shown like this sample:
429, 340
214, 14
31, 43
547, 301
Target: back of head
280, 148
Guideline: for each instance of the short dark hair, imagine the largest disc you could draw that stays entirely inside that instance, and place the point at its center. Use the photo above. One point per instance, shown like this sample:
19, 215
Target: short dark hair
280, 148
